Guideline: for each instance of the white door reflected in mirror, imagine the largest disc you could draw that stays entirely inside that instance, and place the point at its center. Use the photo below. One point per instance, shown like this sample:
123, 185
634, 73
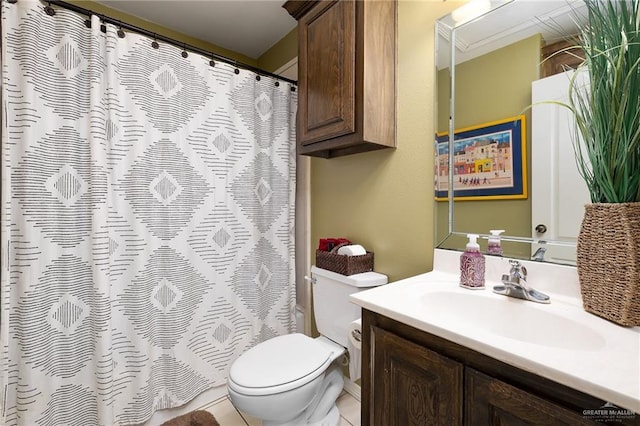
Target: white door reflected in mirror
558, 192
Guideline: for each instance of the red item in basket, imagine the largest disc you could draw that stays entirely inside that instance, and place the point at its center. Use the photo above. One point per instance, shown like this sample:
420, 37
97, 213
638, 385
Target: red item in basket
327, 244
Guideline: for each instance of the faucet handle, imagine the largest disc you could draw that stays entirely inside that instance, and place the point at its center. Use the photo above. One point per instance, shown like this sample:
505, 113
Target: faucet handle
517, 268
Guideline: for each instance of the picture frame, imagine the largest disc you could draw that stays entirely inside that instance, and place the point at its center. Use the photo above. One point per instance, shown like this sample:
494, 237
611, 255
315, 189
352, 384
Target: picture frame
490, 161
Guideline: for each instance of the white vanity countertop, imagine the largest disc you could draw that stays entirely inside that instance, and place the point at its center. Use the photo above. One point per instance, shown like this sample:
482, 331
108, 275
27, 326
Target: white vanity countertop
582, 351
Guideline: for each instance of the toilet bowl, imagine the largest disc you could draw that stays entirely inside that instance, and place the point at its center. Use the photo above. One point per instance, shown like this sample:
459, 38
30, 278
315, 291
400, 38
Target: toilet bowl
285, 377
294, 380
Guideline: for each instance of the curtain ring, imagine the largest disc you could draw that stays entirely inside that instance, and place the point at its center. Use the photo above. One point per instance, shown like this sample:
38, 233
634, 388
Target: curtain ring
103, 26
87, 22
120, 31
184, 51
212, 62
237, 71
49, 10
277, 83
257, 77
154, 43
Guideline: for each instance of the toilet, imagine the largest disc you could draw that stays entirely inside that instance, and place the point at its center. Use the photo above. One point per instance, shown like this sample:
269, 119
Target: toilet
294, 379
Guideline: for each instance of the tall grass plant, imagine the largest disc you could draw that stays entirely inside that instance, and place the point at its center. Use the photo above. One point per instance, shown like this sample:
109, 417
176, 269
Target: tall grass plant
607, 109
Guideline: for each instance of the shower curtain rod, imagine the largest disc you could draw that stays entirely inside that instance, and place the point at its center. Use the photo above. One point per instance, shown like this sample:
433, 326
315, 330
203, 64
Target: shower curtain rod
159, 37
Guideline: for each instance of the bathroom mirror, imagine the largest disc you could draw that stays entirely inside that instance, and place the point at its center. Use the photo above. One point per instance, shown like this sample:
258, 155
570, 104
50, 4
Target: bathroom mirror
486, 67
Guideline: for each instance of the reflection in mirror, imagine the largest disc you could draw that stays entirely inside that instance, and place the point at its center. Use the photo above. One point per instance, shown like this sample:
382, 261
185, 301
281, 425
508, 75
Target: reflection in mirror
488, 76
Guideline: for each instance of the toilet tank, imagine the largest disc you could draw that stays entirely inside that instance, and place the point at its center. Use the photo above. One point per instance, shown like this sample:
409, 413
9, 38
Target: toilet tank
331, 307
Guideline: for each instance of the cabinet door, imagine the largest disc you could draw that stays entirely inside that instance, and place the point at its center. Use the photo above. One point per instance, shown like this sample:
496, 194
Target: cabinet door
327, 71
413, 385
492, 402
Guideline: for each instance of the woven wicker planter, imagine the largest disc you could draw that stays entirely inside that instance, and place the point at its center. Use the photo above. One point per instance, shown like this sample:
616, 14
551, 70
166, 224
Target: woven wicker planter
609, 261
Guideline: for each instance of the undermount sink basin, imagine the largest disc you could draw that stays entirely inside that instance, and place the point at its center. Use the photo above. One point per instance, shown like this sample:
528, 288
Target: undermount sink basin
511, 318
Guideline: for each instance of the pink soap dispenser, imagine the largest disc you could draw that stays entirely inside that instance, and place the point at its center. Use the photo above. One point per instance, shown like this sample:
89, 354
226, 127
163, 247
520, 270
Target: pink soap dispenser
472, 265
494, 245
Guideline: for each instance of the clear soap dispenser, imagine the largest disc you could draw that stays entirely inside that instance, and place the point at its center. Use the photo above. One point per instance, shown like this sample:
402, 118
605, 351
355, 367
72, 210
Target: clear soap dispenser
472, 265
494, 247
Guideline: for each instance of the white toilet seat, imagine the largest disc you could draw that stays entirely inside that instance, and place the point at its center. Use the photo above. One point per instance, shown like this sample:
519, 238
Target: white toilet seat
279, 365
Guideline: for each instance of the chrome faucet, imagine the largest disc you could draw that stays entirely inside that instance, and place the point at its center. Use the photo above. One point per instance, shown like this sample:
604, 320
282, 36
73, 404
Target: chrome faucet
538, 256
515, 285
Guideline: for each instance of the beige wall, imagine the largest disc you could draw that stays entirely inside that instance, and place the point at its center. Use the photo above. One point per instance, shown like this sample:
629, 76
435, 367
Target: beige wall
384, 199
280, 53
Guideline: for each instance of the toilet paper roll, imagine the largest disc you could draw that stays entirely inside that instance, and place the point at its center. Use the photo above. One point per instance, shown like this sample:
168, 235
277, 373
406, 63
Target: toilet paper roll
352, 250
355, 333
355, 349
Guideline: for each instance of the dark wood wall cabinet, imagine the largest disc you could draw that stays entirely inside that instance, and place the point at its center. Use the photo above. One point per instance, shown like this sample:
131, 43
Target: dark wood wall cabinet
410, 377
346, 76
559, 56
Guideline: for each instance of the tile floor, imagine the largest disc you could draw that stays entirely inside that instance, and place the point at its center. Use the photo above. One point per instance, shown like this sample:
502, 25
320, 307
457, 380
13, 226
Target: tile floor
228, 415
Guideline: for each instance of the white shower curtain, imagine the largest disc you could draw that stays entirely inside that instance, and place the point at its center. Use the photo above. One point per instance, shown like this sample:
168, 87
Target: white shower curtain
147, 220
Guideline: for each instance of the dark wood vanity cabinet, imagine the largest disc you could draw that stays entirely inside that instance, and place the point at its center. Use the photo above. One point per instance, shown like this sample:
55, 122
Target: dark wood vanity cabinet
414, 385
410, 377
346, 76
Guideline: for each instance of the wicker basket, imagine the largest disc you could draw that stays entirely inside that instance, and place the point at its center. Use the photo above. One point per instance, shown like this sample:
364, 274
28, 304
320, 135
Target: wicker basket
608, 260
342, 264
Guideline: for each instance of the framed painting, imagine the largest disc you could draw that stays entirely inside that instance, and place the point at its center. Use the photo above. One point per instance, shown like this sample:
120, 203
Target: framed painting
489, 161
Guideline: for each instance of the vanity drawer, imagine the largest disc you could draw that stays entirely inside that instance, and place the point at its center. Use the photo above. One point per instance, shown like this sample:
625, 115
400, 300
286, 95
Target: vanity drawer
489, 401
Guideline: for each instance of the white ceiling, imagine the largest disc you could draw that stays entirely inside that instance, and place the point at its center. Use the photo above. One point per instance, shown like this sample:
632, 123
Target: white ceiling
508, 22
247, 27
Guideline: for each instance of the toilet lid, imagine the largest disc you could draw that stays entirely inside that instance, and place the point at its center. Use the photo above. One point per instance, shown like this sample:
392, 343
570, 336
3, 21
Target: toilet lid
281, 360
